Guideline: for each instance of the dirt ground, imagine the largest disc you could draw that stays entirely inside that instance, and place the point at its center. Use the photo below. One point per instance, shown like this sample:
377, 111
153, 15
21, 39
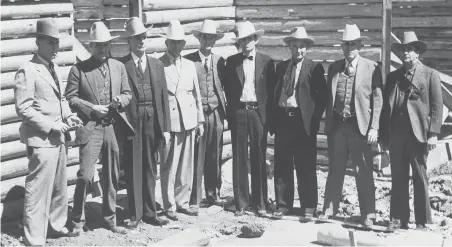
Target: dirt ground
219, 222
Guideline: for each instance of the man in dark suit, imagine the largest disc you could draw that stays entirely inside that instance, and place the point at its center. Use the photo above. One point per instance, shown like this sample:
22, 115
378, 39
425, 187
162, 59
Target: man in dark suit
98, 91
249, 83
300, 99
411, 122
352, 121
148, 112
209, 146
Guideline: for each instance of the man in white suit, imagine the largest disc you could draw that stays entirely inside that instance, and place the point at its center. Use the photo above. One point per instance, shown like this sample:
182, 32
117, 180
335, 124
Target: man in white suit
187, 118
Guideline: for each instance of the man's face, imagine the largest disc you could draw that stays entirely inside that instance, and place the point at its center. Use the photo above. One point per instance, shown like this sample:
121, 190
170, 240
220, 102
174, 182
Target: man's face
101, 51
138, 44
297, 48
175, 46
207, 41
47, 47
351, 49
410, 54
248, 43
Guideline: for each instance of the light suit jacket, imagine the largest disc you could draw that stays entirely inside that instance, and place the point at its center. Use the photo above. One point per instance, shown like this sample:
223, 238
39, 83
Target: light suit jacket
40, 103
184, 96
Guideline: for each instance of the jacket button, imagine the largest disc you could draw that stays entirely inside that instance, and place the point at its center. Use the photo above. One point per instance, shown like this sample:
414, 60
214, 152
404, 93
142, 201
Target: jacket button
174, 109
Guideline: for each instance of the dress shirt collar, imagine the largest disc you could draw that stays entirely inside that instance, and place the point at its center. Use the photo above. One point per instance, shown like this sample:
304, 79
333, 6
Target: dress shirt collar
203, 58
411, 71
136, 58
172, 58
252, 54
45, 62
354, 62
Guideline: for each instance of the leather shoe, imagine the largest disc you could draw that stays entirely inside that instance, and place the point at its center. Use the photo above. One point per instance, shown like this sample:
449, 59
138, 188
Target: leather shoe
171, 215
323, 217
308, 217
155, 221
262, 213
132, 224
239, 212
63, 233
398, 224
216, 202
188, 211
116, 229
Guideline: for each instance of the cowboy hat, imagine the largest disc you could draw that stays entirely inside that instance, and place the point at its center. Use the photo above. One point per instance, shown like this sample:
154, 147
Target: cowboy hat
208, 27
134, 26
245, 29
47, 27
299, 33
175, 31
410, 39
99, 33
351, 33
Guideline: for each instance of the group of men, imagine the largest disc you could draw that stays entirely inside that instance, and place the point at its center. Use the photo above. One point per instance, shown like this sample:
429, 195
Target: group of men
174, 108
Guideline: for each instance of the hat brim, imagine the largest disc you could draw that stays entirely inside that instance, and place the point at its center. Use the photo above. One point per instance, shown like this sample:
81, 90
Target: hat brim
421, 46
127, 35
173, 38
196, 33
103, 40
360, 38
308, 41
56, 36
258, 33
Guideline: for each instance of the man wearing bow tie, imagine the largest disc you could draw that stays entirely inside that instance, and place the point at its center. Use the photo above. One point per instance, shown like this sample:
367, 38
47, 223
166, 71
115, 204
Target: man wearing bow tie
249, 87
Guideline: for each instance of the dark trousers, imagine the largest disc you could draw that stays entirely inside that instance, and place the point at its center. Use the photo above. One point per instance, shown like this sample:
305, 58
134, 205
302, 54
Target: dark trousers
102, 142
345, 140
208, 159
140, 166
248, 123
294, 146
405, 149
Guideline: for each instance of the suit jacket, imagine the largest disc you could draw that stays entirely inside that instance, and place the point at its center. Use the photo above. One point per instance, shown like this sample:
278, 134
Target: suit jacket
40, 103
265, 80
183, 95
82, 94
425, 111
310, 93
368, 96
159, 93
218, 67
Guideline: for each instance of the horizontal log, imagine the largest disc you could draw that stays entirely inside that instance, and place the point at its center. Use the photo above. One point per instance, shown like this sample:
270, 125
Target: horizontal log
425, 33
185, 15
112, 24
12, 47
35, 10
10, 132
317, 24
297, 2
223, 26
89, 13
14, 63
7, 79
19, 167
426, 11
9, 114
115, 12
422, 22
183, 4
320, 38
16, 28
88, 3
308, 11
7, 96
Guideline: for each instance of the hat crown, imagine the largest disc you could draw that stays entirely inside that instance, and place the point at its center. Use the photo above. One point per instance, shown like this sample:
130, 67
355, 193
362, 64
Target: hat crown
175, 31
99, 32
245, 29
134, 26
209, 26
48, 27
409, 37
299, 33
351, 32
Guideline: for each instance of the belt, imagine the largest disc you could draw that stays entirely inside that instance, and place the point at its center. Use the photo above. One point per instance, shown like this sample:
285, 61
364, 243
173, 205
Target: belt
146, 103
249, 105
345, 117
290, 111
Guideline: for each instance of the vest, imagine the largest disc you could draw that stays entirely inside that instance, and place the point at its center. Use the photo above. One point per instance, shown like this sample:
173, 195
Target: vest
345, 93
145, 97
103, 86
209, 95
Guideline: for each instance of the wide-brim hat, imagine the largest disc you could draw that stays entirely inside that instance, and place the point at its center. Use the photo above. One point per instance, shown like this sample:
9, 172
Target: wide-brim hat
99, 33
175, 31
134, 26
208, 27
351, 33
47, 27
410, 39
299, 33
246, 29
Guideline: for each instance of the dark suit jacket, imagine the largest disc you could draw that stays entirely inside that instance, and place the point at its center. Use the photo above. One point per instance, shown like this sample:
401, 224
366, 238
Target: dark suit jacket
81, 92
311, 92
265, 80
425, 111
159, 93
218, 67
368, 96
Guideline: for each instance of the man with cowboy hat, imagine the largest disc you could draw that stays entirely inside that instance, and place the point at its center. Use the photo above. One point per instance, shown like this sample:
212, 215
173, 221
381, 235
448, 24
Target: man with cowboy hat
148, 112
300, 97
46, 120
187, 119
352, 121
249, 82
98, 91
410, 124
208, 149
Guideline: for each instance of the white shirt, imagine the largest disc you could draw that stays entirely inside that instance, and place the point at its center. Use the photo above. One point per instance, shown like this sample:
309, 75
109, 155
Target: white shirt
353, 63
136, 60
291, 101
249, 88
176, 61
203, 59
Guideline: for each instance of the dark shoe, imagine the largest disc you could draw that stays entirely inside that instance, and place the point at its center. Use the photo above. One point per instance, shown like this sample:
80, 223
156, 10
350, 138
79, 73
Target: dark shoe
216, 202
116, 229
398, 224
277, 215
77, 230
155, 221
262, 213
323, 217
171, 215
239, 212
307, 217
191, 211
63, 233
132, 224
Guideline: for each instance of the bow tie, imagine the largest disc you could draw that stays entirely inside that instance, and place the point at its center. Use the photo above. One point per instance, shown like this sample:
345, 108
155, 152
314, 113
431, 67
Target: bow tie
247, 57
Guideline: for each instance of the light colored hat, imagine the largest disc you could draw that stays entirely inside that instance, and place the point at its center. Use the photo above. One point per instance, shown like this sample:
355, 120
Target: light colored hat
134, 26
47, 27
410, 38
245, 29
351, 33
175, 31
99, 33
208, 27
299, 33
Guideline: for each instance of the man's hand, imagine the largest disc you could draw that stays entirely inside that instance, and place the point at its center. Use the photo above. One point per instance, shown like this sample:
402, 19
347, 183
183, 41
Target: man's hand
166, 137
116, 102
74, 121
200, 130
431, 142
100, 110
372, 137
59, 128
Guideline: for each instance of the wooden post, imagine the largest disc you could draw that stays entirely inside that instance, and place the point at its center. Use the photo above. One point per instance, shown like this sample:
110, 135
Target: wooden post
136, 8
386, 48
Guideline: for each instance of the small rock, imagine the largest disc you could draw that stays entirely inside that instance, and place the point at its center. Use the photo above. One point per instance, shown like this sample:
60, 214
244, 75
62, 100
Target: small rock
228, 230
446, 222
252, 230
351, 199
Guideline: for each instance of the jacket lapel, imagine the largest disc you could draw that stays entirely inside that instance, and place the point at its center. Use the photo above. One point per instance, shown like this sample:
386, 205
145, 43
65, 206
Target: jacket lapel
91, 80
44, 73
303, 72
130, 67
240, 72
361, 68
154, 84
280, 80
417, 77
260, 63
115, 79
336, 73
171, 72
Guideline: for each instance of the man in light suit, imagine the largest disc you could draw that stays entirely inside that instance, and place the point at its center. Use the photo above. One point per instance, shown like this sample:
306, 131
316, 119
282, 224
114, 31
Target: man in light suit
42, 106
249, 83
98, 90
410, 123
187, 119
208, 149
148, 112
300, 98
352, 122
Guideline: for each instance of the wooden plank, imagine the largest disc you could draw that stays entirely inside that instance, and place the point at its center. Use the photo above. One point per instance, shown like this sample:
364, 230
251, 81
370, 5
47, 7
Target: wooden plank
317, 24
320, 38
297, 2
87, 3
115, 12
10, 132
422, 22
184, 4
223, 26
426, 11
12, 150
308, 11
16, 28
186, 15
12, 47
136, 8
35, 10
7, 97
8, 115
422, 3
89, 13
386, 47
14, 63
425, 33
7, 79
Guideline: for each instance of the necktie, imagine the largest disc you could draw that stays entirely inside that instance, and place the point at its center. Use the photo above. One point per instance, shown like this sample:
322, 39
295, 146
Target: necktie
247, 57
53, 74
103, 70
140, 69
290, 81
206, 65
350, 71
